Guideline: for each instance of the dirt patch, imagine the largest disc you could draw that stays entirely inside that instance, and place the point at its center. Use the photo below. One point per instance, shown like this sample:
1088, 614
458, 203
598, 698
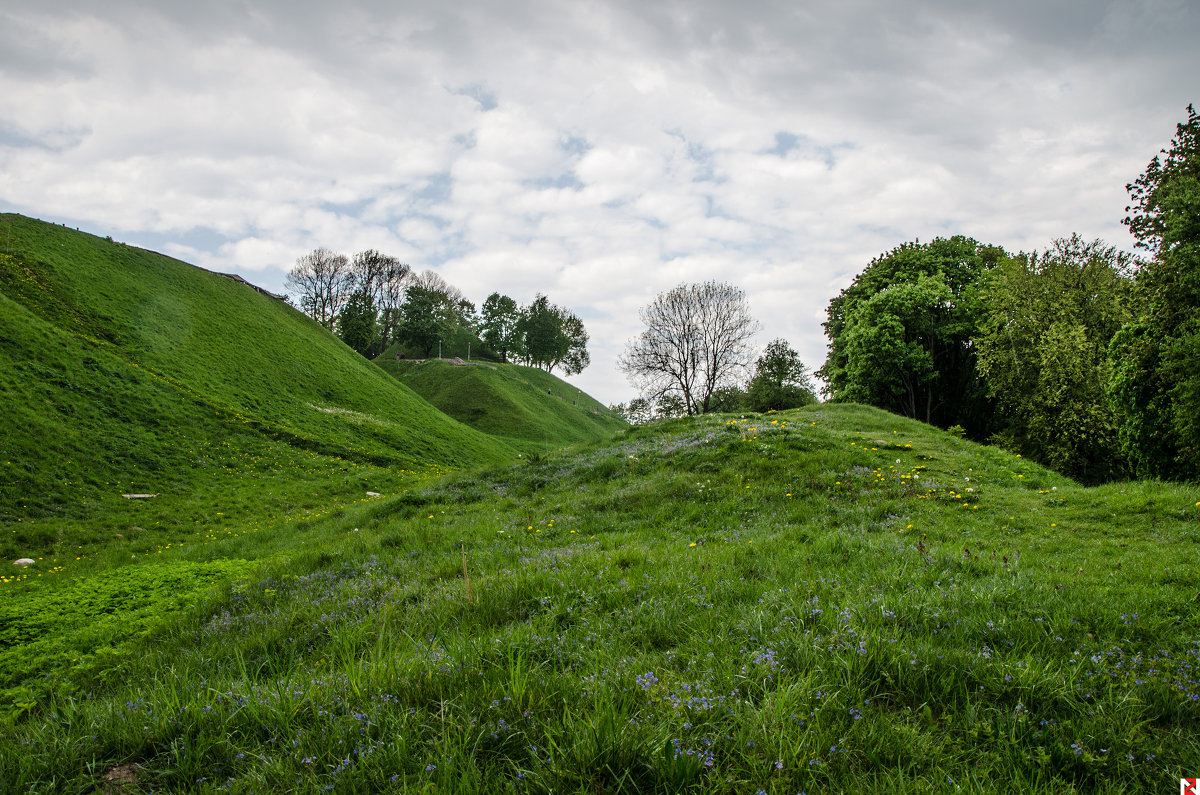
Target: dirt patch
120, 779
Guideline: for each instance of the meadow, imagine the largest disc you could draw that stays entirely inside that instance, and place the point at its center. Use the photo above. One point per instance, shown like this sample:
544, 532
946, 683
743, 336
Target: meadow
830, 599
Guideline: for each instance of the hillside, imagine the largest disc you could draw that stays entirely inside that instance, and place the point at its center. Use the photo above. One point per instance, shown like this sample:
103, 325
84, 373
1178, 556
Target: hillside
125, 371
526, 406
832, 599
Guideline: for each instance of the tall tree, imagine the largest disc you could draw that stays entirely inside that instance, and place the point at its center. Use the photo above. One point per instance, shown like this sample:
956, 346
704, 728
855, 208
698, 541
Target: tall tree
427, 316
322, 279
1045, 326
382, 278
498, 319
780, 381
1155, 377
357, 323
696, 341
900, 335
576, 359
552, 336
539, 327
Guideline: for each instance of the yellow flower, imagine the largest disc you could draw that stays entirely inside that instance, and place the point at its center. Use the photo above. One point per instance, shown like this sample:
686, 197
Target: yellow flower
692, 544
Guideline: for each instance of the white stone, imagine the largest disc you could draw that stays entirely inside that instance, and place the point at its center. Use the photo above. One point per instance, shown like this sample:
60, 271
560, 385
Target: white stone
372, 494
23, 562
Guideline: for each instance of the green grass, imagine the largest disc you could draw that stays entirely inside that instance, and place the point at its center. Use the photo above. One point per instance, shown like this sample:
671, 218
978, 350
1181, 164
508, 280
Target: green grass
831, 599
528, 408
121, 365
125, 371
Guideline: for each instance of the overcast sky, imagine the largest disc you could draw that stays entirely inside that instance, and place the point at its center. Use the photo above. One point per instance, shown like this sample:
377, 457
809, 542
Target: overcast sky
600, 152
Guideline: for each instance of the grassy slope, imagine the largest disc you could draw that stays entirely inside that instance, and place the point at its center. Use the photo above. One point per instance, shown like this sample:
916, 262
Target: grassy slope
127, 368
834, 599
528, 407
124, 371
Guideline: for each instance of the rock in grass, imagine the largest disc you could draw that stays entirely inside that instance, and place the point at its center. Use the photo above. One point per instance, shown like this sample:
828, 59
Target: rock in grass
372, 494
23, 562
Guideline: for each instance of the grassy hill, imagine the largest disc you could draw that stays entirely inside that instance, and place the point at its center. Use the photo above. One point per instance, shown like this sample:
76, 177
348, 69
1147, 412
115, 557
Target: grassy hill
125, 371
526, 406
833, 599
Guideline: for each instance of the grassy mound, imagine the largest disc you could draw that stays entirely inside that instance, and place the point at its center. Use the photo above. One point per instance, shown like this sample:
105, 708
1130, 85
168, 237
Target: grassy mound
127, 371
526, 406
831, 599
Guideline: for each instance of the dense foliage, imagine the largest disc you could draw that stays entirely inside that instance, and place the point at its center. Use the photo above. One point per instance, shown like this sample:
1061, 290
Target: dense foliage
548, 336
1080, 357
1155, 381
374, 302
1045, 325
780, 380
900, 335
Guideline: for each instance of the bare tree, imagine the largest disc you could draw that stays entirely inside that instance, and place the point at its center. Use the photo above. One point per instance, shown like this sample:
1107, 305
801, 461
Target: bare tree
432, 280
696, 341
323, 282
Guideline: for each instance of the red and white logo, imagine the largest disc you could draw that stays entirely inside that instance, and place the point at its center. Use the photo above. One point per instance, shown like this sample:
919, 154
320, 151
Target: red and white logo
1189, 786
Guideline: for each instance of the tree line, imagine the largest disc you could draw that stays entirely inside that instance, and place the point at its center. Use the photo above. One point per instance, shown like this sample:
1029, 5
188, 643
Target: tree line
1081, 356
372, 301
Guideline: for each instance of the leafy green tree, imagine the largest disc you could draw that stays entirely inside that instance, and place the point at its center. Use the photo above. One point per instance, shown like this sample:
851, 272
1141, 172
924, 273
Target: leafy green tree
357, 325
780, 380
464, 313
1046, 323
577, 357
541, 328
900, 335
552, 336
498, 319
728, 399
427, 316
1155, 375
